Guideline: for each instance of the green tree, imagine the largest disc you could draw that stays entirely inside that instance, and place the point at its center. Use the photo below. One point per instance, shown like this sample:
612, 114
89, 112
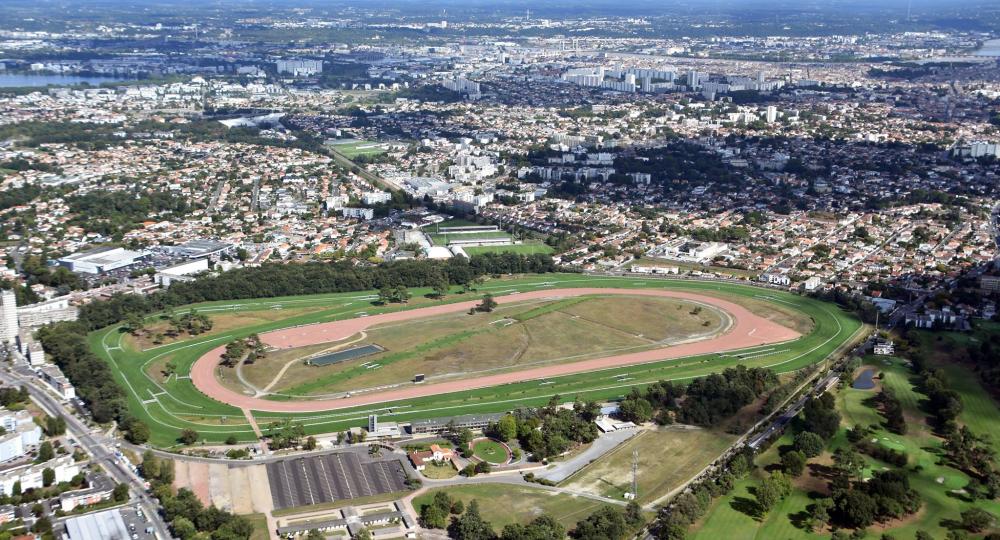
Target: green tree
188, 436
976, 520
507, 428
772, 490
606, 522
45, 452
138, 432
48, 477
471, 525
120, 493
183, 528
809, 443
793, 463
488, 304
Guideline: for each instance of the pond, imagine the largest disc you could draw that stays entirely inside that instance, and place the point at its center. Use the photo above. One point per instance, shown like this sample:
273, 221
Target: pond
865, 380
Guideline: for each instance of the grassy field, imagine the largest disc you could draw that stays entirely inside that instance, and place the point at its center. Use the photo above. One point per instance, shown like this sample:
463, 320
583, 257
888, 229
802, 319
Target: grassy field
512, 336
932, 479
352, 148
490, 451
502, 504
174, 403
527, 248
442, 239
439, 471
667, 458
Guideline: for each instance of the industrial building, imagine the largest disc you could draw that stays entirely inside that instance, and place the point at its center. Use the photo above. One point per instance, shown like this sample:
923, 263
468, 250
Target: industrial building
107, 525
101, 260
184, 271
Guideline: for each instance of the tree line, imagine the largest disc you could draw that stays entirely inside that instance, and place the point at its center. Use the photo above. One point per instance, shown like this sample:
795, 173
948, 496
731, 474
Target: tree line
705, 401
272, 280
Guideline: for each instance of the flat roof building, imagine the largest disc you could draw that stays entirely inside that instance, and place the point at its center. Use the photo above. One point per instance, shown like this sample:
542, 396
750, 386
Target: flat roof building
107, 525
101, 260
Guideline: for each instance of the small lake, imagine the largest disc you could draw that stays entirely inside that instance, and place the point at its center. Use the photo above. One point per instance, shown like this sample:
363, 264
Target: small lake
865, 381
20, 80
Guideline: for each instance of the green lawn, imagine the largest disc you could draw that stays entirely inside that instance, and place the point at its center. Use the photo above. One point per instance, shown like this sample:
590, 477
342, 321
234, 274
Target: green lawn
175, 404
502, 504
490, 451
528, 248
352, 148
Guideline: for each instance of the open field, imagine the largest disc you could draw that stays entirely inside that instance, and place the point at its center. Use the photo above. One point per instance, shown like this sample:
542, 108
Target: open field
667, 457
167, 407
502, 504
353, 148
458, 345
442, 239
527, 248
932, 479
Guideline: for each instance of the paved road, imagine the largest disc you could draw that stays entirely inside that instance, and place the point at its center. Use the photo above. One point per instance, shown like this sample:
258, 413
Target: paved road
95, 445
602, 445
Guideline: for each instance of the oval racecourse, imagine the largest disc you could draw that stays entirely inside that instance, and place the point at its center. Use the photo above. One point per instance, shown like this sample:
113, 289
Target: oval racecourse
174, 385
746, 330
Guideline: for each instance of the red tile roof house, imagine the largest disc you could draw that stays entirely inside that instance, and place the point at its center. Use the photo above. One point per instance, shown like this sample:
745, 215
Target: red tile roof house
436, 454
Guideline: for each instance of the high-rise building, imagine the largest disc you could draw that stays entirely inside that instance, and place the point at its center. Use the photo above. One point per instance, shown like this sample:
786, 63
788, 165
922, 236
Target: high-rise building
8, 316
772, 114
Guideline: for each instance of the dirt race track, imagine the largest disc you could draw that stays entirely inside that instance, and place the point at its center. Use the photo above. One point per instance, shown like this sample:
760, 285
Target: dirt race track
747, 330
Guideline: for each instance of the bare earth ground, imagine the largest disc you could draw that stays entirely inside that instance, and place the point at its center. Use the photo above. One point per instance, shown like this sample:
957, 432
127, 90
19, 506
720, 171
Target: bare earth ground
748, 330
241, 490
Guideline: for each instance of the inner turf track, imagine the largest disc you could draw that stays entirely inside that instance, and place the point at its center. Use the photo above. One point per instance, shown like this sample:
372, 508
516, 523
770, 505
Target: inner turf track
747, 330
170, 405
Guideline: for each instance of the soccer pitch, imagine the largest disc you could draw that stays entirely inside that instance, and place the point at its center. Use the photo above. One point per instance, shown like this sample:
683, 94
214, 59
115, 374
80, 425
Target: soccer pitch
171, 403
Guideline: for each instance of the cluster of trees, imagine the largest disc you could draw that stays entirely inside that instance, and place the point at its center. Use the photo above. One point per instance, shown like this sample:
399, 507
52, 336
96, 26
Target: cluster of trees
11, 396
66, 344
271, 280
673, 521
189, 518
285, 434
892, 410
465, 522
851, 301
247, 350
551, 430
705, 401
113, 213
393, 295
487, 305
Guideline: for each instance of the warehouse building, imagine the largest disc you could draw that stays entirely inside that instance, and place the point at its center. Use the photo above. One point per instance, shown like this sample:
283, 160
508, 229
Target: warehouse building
101, 260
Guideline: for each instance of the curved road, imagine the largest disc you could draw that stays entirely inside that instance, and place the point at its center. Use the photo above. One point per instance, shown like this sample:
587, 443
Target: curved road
748, 330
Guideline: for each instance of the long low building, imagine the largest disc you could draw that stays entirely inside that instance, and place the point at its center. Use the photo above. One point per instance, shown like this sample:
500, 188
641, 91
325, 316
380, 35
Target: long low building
471, 421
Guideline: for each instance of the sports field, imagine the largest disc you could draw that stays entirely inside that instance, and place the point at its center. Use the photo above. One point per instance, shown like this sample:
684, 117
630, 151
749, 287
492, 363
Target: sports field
353, 148
169, 404
929, 476
513, 336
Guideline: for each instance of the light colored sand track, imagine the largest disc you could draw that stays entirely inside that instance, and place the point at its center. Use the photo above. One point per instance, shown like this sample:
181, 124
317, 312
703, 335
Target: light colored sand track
748, 330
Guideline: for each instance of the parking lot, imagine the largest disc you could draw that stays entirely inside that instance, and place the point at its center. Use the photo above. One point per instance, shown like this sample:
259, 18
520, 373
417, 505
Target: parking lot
332, 477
